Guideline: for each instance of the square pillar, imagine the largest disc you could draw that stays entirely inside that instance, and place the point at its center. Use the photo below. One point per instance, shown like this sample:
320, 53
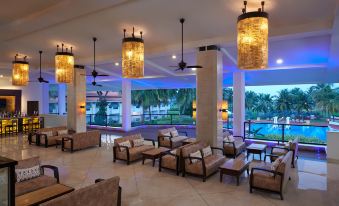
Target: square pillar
126, 104
209, 125
76, 101
62, 99
238, 103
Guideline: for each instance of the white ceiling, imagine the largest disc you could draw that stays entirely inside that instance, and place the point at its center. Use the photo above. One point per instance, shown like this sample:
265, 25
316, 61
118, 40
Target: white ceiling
300, 33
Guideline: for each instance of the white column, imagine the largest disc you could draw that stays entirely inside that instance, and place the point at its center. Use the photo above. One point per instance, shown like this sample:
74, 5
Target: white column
62, 99
45, 99
238, 103
209, 96
76, 101
126, 104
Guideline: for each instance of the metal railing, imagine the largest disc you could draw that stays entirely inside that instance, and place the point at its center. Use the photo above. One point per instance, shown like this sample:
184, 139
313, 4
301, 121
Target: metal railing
269, 131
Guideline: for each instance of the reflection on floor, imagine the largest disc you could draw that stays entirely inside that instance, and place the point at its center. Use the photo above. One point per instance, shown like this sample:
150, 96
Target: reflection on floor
313, 182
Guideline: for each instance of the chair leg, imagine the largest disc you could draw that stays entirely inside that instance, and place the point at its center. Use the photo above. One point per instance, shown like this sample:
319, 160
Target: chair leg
281, 196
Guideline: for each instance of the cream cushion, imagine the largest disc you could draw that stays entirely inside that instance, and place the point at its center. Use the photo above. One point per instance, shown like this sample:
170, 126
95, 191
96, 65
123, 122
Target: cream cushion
195, 154
125, 144
48, 134
138, 142
207, 151
61, 132
174, 133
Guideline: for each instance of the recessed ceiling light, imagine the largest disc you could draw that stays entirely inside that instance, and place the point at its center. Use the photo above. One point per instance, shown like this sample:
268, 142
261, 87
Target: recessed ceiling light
194, 69
280, 61
174, 57
116, 63
1, 76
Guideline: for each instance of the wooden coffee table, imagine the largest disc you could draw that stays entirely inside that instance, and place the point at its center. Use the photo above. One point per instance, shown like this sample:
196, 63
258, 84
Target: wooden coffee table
189, 141
234, 167
153, 154
42, 195
256, 149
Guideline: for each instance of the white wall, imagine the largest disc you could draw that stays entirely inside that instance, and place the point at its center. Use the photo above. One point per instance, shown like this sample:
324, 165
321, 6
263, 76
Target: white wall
31, 92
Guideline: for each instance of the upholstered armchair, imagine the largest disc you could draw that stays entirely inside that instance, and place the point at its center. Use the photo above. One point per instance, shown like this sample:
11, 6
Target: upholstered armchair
31, 184
48, 136
283, 149
264, 176
130, 152
171, 137
234, 147
203, 166
81, 140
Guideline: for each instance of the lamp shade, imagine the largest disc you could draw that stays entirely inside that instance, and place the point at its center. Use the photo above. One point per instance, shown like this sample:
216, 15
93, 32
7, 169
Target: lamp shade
132, 56
20, 72
194, 108
252, 40
64, 66
224, 110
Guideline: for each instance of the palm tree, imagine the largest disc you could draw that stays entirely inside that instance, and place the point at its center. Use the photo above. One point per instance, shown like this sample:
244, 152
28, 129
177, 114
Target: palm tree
326, 98
184, 99
227, 94
283, 101
264, 104
251, 99
301, 101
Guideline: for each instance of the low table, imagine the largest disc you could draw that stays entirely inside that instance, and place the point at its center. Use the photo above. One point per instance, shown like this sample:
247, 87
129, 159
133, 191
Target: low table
42, 195
153, 154
189, 141
234, 167
256, 149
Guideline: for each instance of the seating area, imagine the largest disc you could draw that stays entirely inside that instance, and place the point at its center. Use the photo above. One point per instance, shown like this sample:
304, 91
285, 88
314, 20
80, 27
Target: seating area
170, 103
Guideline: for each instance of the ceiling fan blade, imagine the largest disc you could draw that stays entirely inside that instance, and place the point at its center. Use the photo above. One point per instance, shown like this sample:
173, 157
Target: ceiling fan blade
45, 81
98, 85
178, 69
102, 75
174, 66
196, 66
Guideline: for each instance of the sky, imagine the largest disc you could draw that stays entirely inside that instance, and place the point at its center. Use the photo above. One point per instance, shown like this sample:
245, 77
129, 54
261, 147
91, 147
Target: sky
274, 89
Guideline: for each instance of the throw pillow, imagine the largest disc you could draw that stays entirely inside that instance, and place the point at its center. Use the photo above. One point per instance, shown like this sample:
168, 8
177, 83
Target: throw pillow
276, 163
174, 133
27, 173
62, 132
229, 138
195, 154
126, 144
138, 142
207, 151
173, 152
167, 136
48, 134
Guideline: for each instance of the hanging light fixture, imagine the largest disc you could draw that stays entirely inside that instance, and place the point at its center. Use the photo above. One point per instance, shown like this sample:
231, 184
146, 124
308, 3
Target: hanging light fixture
194, 108
64, 65
253, 39
132, 56
20, 72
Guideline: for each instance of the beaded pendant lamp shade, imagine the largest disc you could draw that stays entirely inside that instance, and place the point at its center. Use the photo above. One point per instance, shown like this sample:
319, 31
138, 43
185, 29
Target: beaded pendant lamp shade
132, 56
64, 65
253, 39
20, 72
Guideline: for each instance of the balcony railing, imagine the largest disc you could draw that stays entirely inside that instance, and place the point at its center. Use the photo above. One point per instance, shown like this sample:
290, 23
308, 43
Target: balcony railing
307, 134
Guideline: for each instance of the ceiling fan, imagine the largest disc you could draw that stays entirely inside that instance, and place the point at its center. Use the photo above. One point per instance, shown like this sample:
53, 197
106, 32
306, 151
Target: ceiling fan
183, 65
94, 73
40, 79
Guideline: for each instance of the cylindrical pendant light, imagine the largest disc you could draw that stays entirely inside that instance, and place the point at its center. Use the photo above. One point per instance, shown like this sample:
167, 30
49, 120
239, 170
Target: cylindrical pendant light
253, 39
194, 109
64, 65
20, 72
132, 56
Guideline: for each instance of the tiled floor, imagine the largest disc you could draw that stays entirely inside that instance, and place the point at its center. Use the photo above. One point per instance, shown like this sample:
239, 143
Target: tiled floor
313, 182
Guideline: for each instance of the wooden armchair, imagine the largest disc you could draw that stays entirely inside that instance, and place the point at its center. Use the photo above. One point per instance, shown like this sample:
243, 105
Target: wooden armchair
234, 148
283, 149
171, 137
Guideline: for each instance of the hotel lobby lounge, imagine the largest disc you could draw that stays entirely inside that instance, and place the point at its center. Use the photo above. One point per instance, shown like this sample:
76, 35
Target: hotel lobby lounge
158, 102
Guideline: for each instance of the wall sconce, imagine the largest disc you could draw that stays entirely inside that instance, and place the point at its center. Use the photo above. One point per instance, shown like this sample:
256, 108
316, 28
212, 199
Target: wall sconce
82, 109
224, 110
194, 108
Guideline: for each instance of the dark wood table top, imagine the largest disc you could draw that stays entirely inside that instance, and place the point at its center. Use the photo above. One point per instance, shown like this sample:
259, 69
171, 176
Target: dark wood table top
238, 164
155, 151
257, 147
42, 195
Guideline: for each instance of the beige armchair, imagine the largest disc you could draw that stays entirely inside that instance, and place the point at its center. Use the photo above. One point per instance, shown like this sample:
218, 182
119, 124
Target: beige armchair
81, 140
234, 148
132, 153
282, 149
263, 177
203, 167
171, 137
36, 183
47, 136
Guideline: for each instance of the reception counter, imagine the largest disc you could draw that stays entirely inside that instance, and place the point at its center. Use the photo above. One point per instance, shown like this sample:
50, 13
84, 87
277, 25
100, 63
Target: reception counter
18, 123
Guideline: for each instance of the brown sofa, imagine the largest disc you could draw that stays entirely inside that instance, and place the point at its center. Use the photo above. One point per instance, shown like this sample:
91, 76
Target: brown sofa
82, 140
282, 149
264, 178
130, 154
171, 161
205, 166
166, 139
233, 149
38, 182
103, 193
40, 138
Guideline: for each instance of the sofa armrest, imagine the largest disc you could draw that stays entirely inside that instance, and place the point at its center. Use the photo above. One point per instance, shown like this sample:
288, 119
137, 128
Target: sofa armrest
233, 145
284, 148
218, 148
45, 137
270, 155
54, 168
117, 147
151, 140
266, 170
242, 137
119, 191
183, 132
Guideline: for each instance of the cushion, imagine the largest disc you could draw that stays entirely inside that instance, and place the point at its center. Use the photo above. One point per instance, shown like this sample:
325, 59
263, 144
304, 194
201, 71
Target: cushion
27, 173
126, 144
174, 133
195, 154
138, 142
34, 184
229, 138
61, 132
167, 136
207, 151
174, 152
48, 133
276, 163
